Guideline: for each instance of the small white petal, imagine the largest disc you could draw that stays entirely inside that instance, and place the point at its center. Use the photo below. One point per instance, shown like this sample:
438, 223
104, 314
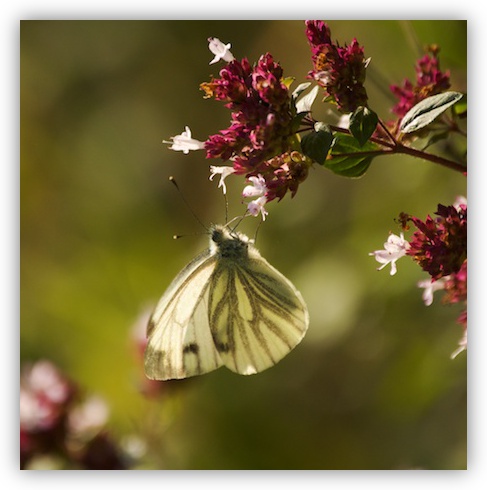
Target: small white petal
224, 172
257, 187
184, 142
257, 206
395, 248
220, 50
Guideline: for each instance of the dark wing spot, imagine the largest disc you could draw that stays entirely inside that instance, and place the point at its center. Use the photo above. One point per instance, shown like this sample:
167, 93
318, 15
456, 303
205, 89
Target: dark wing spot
191, 348
222, 346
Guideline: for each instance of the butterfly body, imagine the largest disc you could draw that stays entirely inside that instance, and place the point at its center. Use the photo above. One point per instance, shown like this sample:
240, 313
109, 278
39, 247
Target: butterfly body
229, 307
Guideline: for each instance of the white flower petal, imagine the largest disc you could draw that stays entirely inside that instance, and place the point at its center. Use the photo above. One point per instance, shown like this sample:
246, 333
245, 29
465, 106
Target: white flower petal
220, 50
395, 248
224, 172
184, 142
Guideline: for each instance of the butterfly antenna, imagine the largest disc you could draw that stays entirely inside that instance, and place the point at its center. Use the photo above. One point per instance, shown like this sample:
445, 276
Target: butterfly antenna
195, 216
257, 229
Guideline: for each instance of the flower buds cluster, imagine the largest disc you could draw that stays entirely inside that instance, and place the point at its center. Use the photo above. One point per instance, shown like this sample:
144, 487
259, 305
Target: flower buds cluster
430, 80
339, 70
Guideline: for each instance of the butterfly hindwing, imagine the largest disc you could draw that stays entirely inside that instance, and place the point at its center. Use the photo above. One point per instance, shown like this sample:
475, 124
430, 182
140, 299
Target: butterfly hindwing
256, 315
179, 339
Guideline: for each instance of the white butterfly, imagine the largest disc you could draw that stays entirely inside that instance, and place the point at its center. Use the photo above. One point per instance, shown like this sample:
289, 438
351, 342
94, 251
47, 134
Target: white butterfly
229, 307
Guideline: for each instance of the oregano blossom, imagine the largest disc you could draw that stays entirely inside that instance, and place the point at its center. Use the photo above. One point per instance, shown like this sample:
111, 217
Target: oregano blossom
339, 70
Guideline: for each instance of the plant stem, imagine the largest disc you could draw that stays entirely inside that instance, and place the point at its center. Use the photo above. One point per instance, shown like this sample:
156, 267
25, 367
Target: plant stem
430, 157
396, 147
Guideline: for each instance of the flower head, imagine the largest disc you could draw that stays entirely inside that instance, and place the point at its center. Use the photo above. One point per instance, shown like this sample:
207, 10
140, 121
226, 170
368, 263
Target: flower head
261, 116
395, 248
430, 80
339, 70
184, 142
439, 245
260, 140
220, 50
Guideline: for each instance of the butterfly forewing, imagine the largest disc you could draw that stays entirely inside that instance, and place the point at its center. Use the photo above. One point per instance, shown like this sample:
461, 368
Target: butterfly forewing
256, 315
179, 339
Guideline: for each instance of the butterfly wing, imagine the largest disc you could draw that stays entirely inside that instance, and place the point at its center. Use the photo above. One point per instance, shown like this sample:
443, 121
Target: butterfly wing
256, 314
179, 343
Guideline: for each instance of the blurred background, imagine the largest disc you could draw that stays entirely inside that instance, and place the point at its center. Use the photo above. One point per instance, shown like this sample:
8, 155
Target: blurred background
371, 386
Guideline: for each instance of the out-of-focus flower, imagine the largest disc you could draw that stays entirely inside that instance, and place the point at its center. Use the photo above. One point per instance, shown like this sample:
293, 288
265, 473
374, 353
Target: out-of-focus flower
430, 286
56, 432
220, 50
395, 248
88, 418
148, 387
339, 70
184, 142
462, 344
430, 80
45, 395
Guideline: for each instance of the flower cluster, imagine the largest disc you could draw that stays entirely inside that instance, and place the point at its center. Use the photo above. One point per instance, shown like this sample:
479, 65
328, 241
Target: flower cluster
430, 80
56, 424
261, 116
439, 246
261, 141
339, 70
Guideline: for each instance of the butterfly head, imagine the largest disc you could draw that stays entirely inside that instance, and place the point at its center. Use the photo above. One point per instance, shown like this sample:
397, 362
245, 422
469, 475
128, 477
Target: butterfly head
228, 244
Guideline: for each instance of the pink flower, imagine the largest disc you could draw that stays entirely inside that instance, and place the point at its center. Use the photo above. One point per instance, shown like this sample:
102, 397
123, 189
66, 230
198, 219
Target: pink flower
439, 245
339, 70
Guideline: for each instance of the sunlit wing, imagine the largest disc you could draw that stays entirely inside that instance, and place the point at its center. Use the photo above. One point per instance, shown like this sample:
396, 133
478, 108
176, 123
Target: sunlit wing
256, 315
179, 337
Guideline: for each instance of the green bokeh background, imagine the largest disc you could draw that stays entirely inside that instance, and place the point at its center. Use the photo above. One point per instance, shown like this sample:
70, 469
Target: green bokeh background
370, 387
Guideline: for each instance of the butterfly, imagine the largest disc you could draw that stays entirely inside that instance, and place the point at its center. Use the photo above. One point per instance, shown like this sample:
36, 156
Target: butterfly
227, 307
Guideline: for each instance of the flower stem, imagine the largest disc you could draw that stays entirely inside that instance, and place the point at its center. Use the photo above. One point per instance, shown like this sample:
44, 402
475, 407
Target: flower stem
395, 146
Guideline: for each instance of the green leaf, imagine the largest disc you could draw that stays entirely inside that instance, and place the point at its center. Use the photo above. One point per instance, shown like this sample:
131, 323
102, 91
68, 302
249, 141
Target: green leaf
350, 165
362, 124
316, 144
426, 111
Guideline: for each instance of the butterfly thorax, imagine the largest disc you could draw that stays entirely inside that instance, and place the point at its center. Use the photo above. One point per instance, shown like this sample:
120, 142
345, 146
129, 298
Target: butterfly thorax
229, 245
